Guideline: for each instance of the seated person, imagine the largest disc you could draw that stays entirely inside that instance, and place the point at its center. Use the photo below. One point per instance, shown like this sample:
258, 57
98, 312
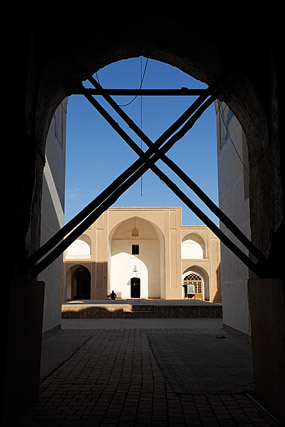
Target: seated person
113, 295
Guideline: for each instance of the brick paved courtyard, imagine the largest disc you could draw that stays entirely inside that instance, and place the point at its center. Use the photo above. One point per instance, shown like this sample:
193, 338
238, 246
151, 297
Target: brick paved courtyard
145, 372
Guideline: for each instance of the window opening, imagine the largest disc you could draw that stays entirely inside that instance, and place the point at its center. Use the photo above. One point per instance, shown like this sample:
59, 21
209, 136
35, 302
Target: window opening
135, 250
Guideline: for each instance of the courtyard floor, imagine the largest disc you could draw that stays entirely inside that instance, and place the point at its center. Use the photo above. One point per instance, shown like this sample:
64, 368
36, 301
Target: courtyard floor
145, 372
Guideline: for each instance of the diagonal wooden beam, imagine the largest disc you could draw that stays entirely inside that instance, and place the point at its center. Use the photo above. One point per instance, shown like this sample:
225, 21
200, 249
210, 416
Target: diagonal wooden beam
112, 199
142, 164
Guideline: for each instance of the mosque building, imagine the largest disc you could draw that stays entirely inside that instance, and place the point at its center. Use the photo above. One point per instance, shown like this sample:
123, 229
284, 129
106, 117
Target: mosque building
143, 252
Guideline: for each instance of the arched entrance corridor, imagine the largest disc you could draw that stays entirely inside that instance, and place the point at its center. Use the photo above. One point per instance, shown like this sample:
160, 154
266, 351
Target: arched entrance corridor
250, 59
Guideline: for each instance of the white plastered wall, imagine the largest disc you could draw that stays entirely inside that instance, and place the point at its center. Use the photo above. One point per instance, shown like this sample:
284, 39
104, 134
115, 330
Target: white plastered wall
52, 213
234, 201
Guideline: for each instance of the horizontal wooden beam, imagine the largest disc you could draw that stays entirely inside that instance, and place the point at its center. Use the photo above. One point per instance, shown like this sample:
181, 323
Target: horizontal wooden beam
184, 91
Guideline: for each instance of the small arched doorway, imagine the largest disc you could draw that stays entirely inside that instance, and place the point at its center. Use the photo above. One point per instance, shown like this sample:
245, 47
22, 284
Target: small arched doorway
193, 286
135, 287
81, 283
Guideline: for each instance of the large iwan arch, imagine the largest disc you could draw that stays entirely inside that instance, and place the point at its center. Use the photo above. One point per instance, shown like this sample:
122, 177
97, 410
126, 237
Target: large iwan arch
136, 251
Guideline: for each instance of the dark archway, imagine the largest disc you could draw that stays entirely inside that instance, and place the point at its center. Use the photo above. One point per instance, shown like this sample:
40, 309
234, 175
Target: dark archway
81, 283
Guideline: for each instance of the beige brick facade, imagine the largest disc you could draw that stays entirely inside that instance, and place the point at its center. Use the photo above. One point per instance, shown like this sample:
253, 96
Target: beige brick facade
142, 253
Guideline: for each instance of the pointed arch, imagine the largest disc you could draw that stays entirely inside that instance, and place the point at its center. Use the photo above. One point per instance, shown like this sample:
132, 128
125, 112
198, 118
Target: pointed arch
78, 282
193, 246
195, 270
80, 249
146, 262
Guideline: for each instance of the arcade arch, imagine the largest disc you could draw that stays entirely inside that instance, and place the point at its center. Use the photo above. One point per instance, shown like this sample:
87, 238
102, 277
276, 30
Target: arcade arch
192, 284
193, 246
78, 283
80, 249
195, 274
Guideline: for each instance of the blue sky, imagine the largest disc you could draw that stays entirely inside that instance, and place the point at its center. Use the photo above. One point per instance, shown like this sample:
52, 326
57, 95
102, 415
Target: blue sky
96, 155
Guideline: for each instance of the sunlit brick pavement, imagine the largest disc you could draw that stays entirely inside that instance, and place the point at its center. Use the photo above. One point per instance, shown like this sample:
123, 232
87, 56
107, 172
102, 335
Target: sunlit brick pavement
125, 374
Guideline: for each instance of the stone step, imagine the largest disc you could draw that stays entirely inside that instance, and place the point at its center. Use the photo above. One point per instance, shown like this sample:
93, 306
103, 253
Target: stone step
91, 311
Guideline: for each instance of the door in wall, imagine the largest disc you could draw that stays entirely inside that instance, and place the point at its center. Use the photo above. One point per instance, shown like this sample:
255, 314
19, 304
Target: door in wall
193, 281
135, 287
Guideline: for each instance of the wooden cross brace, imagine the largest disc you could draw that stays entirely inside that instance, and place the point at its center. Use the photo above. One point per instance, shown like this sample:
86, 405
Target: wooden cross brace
68, 234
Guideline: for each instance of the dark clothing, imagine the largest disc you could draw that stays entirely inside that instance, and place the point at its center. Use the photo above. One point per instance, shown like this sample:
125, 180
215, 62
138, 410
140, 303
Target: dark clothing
113, 295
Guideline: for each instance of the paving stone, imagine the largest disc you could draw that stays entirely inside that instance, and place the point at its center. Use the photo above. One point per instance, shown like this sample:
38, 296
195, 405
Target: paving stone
116, 378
